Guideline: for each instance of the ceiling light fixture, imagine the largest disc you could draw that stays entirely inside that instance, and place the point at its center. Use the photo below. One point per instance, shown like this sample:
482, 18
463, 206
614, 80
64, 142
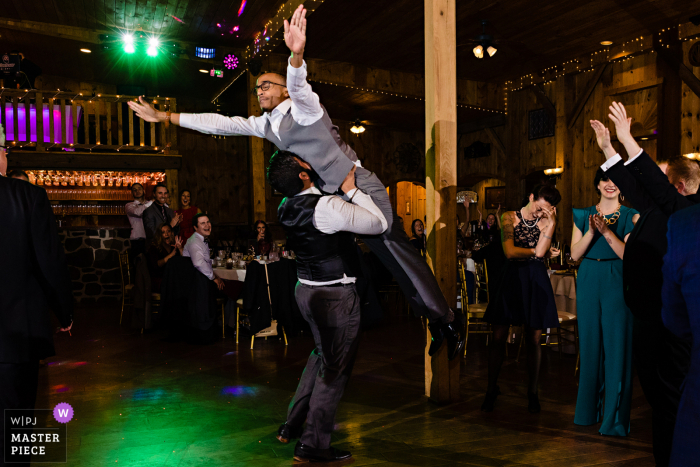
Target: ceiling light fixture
554, 171
128, 40
86, 51
491, 50
357, 128
204, 71
153, 44
606, 43
478, 51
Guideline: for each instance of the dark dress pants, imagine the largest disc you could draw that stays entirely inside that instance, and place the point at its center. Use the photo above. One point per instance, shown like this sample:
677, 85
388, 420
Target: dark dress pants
18, 387
662, 361
333, 313
395, 251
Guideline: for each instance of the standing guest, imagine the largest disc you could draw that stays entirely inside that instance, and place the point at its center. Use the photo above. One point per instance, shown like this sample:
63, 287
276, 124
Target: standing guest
681, 315
464, 228
321, 231
661, 358
134, 211
525, 295
492, 226
263, 240
163, 247
159, 212
34, 279
604, 321
186, 212
197, 248
418, 238
293, 119
18, 174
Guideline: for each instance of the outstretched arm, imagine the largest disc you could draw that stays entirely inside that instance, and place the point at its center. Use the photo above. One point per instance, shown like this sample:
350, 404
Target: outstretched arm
209, 123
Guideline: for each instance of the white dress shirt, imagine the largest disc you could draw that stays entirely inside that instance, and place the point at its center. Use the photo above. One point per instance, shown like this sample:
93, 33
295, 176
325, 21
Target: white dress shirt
196, 249
333, 215
134, 212
305, 105
616, 158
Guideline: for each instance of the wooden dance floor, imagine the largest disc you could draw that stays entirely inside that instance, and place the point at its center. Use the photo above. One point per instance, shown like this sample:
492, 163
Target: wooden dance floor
141, 401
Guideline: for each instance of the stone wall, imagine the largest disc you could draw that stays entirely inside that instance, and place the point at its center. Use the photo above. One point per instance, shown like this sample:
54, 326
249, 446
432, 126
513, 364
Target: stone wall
93, 262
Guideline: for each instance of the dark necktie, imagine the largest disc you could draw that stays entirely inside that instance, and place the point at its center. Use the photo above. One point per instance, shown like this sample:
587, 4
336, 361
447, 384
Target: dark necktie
162, 210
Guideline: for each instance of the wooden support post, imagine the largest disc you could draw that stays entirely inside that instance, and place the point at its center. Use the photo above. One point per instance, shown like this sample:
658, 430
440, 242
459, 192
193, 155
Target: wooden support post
108, 105
27, 119
15, 117
39, 106
173, 128
76, 124
120, 125
441, 376
669, 67
257, 160
51, 122
131, 126
564, 92
86, 120
62, 106
173, 188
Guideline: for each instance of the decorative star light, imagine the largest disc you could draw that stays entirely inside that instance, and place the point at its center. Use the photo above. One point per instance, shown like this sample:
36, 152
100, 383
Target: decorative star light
231, 62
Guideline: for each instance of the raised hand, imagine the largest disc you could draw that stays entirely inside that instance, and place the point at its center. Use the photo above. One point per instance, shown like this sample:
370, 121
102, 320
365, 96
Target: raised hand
295, 31
550, 215
602, 136
623, 123
591, 225
146, 111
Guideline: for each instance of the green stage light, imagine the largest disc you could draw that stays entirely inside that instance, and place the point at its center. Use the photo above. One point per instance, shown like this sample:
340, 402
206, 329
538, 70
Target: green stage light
128, 40
153, 44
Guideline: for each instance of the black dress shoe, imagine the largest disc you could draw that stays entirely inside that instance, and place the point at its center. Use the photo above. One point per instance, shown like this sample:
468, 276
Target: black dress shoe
533, 403
455, 336
490, 400
286, 433
304, 453
438, 337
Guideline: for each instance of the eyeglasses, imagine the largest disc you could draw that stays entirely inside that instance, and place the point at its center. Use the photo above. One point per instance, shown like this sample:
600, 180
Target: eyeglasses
265, 85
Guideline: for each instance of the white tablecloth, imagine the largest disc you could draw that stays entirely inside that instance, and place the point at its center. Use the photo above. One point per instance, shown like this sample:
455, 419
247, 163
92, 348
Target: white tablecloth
230, 274
469, 264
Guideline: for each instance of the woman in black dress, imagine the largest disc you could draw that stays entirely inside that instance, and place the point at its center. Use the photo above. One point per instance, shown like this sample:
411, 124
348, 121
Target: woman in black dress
525, 295
164, 246
418, 238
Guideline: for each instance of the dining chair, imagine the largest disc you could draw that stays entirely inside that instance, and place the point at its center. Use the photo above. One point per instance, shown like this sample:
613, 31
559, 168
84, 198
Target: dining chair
474, 313
127, 286
267, 332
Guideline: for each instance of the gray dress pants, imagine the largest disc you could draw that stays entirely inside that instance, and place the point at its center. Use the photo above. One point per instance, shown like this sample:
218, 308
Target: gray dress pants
333, 313
393, 249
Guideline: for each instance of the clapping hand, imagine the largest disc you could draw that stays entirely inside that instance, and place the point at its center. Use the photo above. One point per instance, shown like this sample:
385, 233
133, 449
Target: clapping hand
601, 225
623, 123
295, 31
591, 225
176, 220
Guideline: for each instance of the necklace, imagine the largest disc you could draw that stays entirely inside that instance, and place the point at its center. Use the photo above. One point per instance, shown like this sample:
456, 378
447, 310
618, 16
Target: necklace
615, 215
525, 222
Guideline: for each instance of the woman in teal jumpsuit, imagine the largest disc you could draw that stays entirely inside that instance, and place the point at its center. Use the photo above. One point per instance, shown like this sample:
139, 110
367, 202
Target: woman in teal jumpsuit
604, 321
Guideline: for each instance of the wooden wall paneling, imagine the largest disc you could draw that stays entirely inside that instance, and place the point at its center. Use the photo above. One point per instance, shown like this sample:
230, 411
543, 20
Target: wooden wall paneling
108, 108
173, 128
162, 142
256, 161
171, 181
120, 129
480, 189
63, 106
565, 96
669, 103
130, 116
142, 131
39, 106
87, 108
76, 123
690, 111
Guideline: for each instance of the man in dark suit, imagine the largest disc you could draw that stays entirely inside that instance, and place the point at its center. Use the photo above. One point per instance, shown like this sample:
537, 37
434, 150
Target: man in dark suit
33, 279
661, 358
159, 213
681, 315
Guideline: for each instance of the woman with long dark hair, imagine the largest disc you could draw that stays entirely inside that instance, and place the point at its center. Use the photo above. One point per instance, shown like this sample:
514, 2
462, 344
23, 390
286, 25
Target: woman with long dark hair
263, 238
187, 211
418, 237
163, 247
604, 321
525, 295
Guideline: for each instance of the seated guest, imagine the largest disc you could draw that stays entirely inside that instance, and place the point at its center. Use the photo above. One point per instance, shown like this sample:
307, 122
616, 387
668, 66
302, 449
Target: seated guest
19, 174
187, 212
681, 315
263, 241
197, 248
418, 239
164, 246
159, 212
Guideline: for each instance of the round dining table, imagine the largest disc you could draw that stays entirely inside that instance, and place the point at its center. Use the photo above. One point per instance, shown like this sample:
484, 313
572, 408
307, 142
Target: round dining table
230, 274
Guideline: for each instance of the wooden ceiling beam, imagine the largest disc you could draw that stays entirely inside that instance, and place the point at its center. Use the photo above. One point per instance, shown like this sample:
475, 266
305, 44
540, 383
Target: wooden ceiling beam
482, 124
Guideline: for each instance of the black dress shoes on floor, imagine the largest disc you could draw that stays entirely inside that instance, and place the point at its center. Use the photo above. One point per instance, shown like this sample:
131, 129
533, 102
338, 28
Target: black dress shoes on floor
438, 337
490, 400
304, 453
533, 403
286, 433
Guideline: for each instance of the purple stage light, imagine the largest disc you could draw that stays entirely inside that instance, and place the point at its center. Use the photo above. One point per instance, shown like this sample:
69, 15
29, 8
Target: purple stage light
231, 62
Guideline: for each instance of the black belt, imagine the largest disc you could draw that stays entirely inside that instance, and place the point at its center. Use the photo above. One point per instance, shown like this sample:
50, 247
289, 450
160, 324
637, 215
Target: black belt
603, 259
337, 284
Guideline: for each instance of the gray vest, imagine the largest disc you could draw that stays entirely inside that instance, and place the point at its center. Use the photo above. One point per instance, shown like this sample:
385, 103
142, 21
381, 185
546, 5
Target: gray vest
319, 144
